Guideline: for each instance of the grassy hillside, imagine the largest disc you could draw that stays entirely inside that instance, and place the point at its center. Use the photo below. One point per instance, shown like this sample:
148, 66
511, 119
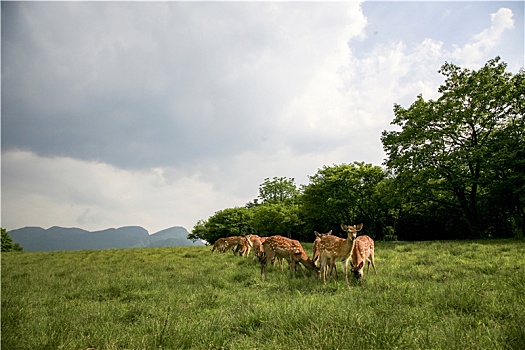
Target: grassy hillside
431, 295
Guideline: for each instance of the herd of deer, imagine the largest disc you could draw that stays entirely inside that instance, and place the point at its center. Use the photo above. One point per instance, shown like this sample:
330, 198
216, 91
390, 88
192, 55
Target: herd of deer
327, 249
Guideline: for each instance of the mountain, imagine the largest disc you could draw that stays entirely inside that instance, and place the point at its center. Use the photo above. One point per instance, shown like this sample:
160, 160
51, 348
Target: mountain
37, 239
173, 236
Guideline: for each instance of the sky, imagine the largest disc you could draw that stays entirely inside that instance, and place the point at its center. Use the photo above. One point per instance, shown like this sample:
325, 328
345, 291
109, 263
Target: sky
159, 114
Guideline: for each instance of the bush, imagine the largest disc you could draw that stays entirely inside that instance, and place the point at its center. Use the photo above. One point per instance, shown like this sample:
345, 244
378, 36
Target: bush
7, 243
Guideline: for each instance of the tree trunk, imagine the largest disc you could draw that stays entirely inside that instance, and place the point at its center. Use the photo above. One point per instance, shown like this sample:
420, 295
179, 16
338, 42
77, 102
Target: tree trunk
468, 207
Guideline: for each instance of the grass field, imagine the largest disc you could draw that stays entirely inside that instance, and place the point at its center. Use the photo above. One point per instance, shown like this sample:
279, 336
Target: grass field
426, 295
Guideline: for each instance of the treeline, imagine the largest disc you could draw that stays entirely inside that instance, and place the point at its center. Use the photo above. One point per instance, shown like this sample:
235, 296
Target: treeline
455, 169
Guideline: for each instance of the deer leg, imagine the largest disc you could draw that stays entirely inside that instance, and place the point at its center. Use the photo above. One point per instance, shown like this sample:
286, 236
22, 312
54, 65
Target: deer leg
323, 268
265, 257
345, 271
371, 260
291, 265
329, 260
263, 268
332, 264
332, 269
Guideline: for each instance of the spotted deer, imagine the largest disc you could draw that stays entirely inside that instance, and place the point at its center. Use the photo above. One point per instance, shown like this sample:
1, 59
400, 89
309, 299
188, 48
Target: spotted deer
257, 247
333, 248
219, 245
235, 243
258, 251
231, 243
285, 248
257, 243
362, 251
316, 253
315, 246
251, 241
244, 248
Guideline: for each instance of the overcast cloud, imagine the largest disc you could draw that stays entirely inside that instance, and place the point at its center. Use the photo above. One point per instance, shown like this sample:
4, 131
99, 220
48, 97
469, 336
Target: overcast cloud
159, 114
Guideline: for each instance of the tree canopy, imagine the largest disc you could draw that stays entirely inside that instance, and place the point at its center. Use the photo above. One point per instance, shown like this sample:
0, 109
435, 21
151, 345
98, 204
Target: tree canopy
280, 189
343, 193
453, 150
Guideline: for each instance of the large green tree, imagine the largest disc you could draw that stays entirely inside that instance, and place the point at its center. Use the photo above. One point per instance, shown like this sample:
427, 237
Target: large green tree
345, 193
278, 190
224, 223
447, 149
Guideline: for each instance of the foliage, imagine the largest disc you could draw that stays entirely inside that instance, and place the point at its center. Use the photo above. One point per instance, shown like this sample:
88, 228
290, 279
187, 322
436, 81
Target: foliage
278, 190
345, 193
451, 152
275, 213
426, 295
199, 232
270, 219
224, 223
7, 243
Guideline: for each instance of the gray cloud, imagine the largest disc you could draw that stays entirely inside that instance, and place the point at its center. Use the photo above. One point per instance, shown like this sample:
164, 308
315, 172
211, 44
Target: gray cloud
141, 85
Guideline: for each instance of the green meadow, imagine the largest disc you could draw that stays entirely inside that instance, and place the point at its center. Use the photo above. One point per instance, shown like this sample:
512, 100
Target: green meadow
426, 295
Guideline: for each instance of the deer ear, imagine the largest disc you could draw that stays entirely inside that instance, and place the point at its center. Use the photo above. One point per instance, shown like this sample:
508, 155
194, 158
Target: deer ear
361, 265
359, 227
317, 234
343, 226
329, 232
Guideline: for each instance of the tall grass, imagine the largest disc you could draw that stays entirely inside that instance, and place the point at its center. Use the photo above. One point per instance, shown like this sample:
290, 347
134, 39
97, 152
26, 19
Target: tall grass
431, 295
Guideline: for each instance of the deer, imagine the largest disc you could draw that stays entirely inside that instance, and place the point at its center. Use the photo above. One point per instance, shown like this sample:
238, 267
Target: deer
285, 248
251, 241
219, 245
246, 246
315, 246
316, 253
258, 251
235, 243
333, 249
257, 243
362, 251
230, 243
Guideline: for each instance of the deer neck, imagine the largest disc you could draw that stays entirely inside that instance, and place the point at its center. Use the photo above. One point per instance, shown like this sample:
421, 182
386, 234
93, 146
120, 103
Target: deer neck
348, 245
354, 253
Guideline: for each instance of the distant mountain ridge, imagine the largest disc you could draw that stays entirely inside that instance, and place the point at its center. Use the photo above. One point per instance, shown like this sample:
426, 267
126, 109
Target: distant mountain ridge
38, 239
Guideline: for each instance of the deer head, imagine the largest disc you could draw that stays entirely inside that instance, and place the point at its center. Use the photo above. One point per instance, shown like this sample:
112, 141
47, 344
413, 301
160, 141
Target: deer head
352, 230
320, 235
358, 270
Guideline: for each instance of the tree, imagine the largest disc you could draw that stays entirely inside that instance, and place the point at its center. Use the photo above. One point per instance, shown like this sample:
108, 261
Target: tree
445, 150
343, 194
224, 223
7, 243
270, 219
278, 190
199, 231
